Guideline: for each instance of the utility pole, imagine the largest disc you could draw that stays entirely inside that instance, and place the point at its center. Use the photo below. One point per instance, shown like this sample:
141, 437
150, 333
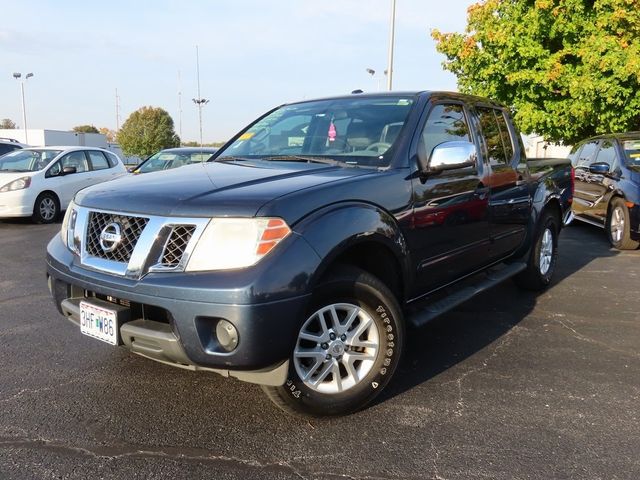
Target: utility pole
200, 102
179, 106
117, 111
392, 28
18, 76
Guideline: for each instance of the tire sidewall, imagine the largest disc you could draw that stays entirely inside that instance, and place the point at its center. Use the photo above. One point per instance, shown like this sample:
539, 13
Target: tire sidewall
36, 209
387, 317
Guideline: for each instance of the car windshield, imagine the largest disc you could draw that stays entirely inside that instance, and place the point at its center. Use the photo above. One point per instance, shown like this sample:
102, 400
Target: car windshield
632, 153
167, 160
357, 131
27, 160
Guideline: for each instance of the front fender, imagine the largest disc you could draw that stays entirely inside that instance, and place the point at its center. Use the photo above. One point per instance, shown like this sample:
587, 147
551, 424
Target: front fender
334, 229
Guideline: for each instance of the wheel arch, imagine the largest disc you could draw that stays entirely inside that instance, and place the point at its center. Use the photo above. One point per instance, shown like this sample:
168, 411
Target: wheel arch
367, 237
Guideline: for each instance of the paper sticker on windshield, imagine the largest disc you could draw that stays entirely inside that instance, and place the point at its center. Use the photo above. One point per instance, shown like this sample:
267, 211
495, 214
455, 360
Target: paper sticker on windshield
246, 136
634, 155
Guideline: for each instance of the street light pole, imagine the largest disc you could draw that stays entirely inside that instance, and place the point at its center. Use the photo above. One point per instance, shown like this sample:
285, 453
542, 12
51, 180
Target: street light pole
18, 76
200, 102
392, 28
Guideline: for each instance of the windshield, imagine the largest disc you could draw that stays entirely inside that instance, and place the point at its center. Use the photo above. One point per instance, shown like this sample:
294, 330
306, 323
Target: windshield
27, 160
632, 153
358, 131
167, 160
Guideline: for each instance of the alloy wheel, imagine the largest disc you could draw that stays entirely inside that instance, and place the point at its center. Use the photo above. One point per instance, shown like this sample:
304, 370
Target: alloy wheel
47, 209
336, 348
617, 224
546, 251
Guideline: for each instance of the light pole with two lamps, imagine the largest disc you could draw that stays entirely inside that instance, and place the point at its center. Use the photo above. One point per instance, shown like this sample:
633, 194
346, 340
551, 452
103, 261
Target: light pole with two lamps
18, 76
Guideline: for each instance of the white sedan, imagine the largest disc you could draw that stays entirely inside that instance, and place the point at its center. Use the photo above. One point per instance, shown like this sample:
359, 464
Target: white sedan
40, 182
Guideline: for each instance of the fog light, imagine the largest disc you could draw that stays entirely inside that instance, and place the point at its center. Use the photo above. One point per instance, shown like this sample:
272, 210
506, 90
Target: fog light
227, 335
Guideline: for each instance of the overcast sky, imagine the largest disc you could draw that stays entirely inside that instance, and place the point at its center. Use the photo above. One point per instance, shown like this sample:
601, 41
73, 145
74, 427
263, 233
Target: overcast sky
253, 55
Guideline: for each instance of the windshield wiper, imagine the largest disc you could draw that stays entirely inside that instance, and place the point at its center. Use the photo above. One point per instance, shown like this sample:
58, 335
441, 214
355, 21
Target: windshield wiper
301, 158
231, 158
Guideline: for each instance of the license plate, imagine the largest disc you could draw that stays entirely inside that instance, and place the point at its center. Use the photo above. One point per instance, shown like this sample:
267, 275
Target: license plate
98, 322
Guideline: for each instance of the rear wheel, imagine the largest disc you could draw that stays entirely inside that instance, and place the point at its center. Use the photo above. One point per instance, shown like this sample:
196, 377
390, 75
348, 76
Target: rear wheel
46, 208
347, 348
543, 256
618, 226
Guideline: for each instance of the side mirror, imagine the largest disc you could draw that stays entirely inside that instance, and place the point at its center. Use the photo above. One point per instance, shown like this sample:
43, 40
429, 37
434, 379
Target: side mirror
599, 168
68, 170
449, 156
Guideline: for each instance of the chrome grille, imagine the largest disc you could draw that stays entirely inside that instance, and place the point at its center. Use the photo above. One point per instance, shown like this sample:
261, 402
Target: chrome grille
131, 228
176, 245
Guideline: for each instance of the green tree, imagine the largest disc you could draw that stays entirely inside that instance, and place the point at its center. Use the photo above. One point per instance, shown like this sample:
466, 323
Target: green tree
85, 129
7, 123
146, 131
569, 68
107, 132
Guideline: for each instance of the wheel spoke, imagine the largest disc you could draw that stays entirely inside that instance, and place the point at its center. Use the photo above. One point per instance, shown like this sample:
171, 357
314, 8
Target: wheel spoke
337, 379
323, 374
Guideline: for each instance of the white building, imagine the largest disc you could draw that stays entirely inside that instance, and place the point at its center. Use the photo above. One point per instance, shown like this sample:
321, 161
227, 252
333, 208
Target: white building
47, 138
536, 147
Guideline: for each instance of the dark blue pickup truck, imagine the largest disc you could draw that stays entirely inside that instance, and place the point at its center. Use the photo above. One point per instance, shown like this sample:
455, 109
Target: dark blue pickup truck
298, 255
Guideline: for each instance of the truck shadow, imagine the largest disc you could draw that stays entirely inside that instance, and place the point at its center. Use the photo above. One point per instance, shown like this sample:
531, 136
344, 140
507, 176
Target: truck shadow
478, 323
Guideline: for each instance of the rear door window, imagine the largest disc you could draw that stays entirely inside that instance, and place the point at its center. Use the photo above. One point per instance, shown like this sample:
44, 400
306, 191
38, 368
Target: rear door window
98, 160
493, 144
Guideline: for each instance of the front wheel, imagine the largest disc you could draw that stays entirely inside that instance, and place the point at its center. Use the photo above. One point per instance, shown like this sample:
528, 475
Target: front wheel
46, 208
347, 348
541, 262
618, 226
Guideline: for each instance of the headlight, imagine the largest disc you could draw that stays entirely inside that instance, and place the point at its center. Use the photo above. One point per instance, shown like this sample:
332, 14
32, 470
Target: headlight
68, 227
18, 184
228, 243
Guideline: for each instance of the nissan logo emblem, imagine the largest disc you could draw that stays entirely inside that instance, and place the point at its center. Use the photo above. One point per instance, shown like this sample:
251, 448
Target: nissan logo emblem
111, 237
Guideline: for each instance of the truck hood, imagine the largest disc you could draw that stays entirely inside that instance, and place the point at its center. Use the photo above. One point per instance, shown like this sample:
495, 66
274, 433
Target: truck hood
210, 189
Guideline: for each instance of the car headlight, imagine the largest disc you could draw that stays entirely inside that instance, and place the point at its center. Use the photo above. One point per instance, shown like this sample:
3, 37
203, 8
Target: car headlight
18, 184
67, 230
228, 243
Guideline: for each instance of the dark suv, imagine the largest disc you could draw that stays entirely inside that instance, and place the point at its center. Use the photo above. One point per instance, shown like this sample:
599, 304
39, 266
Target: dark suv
607, 194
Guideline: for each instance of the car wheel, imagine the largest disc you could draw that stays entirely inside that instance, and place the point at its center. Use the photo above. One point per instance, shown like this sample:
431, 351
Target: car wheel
541, 262
347, 348
46, 208
618, 226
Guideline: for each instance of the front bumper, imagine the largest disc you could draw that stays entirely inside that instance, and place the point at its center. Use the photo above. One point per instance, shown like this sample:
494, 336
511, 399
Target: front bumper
18, 203
173, 315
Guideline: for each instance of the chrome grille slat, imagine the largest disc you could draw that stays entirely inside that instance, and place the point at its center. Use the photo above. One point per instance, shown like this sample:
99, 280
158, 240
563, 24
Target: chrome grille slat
176, 245
131, 226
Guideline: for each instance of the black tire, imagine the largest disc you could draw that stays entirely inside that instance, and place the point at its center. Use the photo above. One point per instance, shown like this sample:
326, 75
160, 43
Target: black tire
620, 237
46, 208
538, 274
356, 288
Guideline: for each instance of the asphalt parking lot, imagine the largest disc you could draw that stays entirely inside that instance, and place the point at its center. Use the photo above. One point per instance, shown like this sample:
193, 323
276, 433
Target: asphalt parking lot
509, 386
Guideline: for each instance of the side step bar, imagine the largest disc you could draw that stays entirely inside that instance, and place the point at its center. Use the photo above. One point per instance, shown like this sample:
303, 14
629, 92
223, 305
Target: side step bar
490, 279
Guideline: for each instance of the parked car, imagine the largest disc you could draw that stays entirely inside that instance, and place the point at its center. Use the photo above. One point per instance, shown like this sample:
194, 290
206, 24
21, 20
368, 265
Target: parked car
174, 158
9, 145
607, 170
40, 182
297, 255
